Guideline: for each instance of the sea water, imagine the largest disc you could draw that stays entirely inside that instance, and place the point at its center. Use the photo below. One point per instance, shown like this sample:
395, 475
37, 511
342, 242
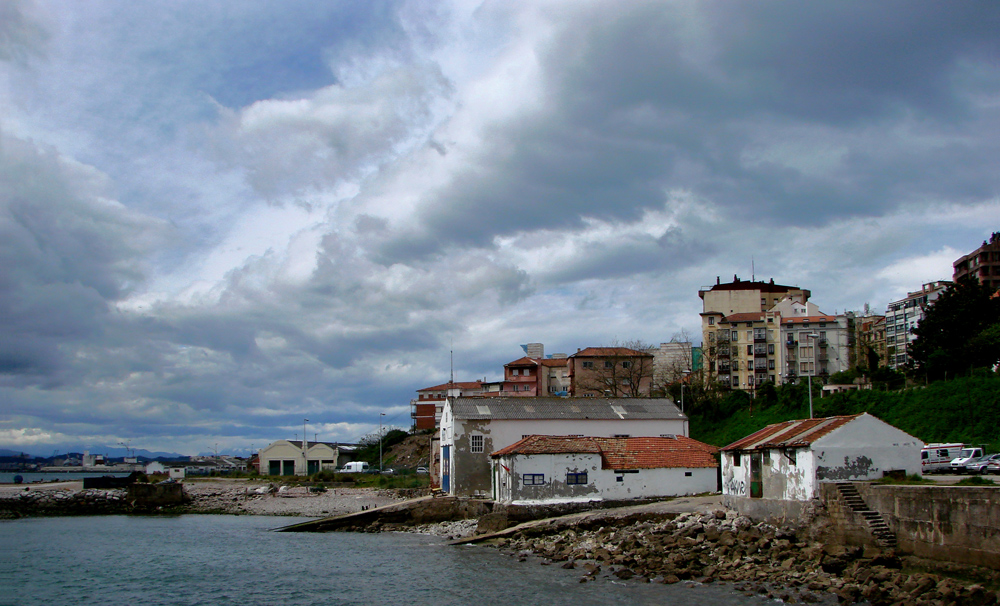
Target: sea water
219, 559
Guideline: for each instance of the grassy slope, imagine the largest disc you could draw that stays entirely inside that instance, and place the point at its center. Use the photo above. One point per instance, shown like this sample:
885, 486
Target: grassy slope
962, 410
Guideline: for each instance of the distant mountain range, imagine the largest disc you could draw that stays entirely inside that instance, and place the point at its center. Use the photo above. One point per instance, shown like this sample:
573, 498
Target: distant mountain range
108, 451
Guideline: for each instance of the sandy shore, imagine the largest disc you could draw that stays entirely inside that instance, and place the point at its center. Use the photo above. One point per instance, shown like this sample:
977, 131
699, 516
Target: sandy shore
272, 499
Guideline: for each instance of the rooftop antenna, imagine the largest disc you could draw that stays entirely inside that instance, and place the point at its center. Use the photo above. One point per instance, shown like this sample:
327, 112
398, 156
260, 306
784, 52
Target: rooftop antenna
451, 380
753, 272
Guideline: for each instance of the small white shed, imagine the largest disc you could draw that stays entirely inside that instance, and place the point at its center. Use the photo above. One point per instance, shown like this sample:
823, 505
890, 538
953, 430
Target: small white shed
787, 461
573, 468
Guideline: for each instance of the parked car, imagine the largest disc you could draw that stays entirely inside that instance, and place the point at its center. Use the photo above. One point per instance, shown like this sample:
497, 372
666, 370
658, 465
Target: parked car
421, 470
981, 464
388, 471
993, 467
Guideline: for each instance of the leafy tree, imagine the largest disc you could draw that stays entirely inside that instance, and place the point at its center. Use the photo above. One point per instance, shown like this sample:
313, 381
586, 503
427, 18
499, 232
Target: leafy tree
959, 332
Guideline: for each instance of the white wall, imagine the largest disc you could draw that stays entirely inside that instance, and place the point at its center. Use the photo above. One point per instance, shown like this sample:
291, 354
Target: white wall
864, 449
602, 483
501, 433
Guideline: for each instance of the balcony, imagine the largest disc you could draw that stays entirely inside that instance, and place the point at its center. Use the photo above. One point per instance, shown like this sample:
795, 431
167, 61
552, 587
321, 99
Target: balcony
791, 343
822, 343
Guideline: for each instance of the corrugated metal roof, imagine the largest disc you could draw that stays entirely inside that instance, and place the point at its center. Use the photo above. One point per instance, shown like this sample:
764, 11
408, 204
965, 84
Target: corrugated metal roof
622, 453
791, 434
565, 408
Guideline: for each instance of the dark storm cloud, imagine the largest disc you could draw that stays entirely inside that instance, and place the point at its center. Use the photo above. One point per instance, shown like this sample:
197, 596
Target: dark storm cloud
727, 105
66, 254
21, 33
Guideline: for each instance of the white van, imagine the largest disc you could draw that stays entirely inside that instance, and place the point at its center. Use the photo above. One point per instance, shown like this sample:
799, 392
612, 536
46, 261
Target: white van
355, 467
967, 454
937, 458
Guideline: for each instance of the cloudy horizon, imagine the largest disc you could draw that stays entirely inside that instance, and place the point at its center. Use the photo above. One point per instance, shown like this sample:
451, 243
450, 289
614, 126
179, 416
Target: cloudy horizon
219, 219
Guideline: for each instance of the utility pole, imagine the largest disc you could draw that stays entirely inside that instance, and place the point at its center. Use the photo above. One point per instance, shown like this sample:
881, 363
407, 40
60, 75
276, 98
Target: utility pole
812, 369
380, 415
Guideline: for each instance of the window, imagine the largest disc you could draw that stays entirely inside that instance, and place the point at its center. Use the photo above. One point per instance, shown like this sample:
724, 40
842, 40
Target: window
770, 349
770, 364
609, 364
735, 336
749, 350
736, 459
626, 364
476, 443
588, 364
533, 479
515, 372
573, 477
620, 435
711, 321
687, 474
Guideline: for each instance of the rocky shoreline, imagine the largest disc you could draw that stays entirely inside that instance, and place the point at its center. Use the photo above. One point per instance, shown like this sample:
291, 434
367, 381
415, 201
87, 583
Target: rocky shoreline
200, 497
759, 559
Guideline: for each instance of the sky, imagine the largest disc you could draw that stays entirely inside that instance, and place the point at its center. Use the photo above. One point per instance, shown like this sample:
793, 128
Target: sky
220, 221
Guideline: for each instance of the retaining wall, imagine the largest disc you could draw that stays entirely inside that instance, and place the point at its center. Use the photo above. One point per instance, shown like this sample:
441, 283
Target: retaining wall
951, 523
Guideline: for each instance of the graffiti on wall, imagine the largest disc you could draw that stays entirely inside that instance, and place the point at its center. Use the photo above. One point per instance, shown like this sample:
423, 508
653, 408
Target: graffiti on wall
736, 487
860, 467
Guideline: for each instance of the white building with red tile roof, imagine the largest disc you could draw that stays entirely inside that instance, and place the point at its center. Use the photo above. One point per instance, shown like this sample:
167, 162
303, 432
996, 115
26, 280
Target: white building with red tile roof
788, 461
553, 469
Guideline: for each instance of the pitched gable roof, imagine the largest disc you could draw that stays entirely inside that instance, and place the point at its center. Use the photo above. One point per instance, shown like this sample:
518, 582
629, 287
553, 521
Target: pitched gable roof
457, 384
605, 352
504, 408
524, 361
791, 434
622, 453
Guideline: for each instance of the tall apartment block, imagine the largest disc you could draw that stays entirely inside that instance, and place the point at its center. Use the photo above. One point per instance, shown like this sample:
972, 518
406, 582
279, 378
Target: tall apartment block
760, 332
740, 338
902, 317
982, 263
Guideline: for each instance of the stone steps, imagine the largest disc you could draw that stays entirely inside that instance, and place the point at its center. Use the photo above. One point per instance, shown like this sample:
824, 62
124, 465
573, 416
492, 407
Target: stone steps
879, 529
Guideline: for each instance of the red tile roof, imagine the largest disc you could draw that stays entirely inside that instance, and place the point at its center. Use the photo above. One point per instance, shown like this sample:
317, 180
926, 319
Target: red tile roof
550, 445
808, 319
602, 352
458, 384
622, 453
745, 317
791, 433
525, 361
556, 362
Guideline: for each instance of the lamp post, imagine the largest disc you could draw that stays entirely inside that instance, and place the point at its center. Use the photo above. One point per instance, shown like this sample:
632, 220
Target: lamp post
812, 369
380, 415
684, 375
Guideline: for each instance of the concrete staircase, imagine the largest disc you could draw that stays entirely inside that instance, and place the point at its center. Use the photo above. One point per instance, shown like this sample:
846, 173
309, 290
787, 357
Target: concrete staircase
884, 536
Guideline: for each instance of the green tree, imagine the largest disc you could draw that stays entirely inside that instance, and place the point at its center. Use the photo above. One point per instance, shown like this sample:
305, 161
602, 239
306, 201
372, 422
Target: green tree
959, 332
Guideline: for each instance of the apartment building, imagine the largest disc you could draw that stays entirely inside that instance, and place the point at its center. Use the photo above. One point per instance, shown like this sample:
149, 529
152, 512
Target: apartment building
982, 263
426, 408
747, 349
723, 309
869, 338
817, 345
902, 317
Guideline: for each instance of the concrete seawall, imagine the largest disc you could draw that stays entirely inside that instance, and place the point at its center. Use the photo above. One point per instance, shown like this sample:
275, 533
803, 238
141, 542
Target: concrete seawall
951, 523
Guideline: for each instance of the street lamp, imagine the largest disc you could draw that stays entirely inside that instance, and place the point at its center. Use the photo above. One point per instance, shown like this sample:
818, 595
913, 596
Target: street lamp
684, 375
380, 415
812, 369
